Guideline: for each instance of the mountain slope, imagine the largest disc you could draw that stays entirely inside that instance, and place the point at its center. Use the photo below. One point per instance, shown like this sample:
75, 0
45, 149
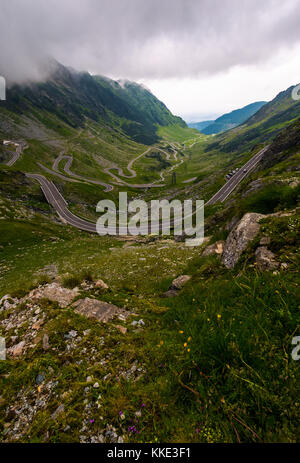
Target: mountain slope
232, 119
75, 96
262, 127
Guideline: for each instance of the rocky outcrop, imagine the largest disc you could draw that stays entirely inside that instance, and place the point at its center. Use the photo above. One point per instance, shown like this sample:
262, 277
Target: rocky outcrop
99, 310
239, 238
265, 259
55, 293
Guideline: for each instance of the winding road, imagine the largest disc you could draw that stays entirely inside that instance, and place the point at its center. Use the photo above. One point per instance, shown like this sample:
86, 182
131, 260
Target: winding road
19, 150
55, 198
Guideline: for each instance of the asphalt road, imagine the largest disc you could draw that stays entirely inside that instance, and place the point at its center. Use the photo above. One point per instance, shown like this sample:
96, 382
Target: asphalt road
17, 154
68, 171
234, 181
59, 203
55, 198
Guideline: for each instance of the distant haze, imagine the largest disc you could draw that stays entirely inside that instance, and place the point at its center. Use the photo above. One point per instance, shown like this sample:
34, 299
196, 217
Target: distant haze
201, 57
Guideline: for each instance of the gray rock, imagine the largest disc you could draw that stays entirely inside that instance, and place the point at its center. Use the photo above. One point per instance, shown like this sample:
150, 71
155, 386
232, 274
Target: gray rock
39, 379
265, 259
180, 281
239, 238
99, 310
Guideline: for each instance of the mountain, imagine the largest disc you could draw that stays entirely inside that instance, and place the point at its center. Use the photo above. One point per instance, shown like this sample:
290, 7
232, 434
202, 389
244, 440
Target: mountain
200, 125
232, 119
262, 126
74, 97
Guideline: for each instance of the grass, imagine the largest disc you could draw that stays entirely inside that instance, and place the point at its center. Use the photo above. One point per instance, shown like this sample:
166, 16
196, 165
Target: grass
215, 363
178, 133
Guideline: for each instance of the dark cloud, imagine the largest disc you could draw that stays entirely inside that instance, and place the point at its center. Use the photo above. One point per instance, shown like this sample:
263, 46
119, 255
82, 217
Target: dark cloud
143, 39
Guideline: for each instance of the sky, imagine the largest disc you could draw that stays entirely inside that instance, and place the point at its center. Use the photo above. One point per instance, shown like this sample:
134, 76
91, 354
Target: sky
202, 58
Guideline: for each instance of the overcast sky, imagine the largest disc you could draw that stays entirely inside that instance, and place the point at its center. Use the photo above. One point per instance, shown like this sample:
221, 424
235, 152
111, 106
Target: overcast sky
201, 57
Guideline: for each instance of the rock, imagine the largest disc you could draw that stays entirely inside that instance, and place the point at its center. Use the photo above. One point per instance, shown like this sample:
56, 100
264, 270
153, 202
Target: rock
171, 293
215, 248
58, 411
46, 342
232, 223
284, 265
39, 379
265, 259
239, 238
54, 292
179, 282
17, 350
99, 310
36, 326
265, 240
138, 323
122, 329
100, 284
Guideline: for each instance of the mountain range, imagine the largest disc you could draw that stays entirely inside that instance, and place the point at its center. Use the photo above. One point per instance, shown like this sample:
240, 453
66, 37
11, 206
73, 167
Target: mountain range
229, 120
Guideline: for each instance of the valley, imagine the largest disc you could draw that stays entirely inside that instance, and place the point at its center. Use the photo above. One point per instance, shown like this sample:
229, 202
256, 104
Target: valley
114, 339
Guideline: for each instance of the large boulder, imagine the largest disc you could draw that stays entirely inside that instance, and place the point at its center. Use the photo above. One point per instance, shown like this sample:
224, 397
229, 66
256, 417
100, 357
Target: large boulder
239, 238
99, 310
265, 259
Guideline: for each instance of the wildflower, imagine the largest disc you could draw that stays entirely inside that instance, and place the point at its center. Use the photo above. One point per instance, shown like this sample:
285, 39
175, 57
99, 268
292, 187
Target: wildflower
122, 416
219, 316
208, 319
143, 405
181, 332
185, 344
161, 343
189, 350
189, 339
92, 421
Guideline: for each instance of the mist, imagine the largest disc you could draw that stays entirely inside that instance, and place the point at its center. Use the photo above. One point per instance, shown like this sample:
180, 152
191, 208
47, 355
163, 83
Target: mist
135, 39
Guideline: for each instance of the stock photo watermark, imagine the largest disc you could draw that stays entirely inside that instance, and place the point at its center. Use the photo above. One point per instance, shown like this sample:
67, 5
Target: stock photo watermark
296, 351
2, 88
2, 348
296, 93
138, 217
